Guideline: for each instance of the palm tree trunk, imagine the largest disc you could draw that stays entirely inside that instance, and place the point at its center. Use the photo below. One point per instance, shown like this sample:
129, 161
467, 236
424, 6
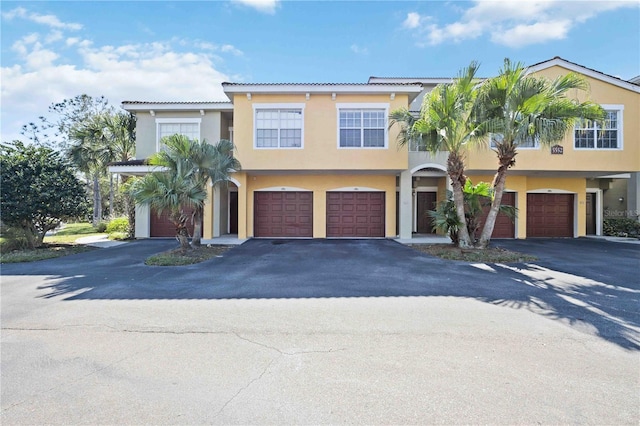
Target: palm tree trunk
97, 201
198, 215
182, 235
455, 167
498, 187
111, 195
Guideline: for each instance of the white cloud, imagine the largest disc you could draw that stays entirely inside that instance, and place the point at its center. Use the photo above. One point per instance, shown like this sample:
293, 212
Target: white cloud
512, 23
173, 70
265, 6
540, 32
359, 50
48, 20
412, 21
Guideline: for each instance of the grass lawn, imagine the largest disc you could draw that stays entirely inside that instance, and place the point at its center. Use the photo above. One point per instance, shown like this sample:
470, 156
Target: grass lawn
179, 258
47, 251
71, 232
58, 245
489, 255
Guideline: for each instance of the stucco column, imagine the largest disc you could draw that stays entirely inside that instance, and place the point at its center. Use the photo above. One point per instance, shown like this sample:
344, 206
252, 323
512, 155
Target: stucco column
142, 228
633, 196
242, 182
216, 213
406, 205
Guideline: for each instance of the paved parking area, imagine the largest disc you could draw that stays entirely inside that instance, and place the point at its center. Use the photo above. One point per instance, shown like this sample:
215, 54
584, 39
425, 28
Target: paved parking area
324, 331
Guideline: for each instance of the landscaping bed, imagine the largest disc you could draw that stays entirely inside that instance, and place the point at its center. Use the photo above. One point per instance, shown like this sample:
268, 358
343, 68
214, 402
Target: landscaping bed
488, 255
47, 251
178, 257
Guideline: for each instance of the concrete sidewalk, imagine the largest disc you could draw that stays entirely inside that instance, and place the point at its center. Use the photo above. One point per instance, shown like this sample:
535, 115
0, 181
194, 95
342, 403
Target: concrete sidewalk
101, 241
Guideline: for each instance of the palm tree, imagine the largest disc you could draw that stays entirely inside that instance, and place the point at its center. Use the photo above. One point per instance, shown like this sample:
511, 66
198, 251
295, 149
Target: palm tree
90, 153
202, 163
172, 192
523, 108
96, 142
120, 128
447, 123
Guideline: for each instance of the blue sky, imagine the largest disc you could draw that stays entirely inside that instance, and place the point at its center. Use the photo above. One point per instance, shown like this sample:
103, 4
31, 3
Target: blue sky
183, 50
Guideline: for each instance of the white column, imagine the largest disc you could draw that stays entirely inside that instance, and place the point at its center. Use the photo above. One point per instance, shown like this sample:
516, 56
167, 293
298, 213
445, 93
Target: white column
216, 214
406, 205
143, 224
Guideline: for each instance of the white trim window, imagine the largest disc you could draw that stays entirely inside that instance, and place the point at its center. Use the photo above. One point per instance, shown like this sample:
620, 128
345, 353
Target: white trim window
362, 125
591, 135
278, 126
530, 142
189, 127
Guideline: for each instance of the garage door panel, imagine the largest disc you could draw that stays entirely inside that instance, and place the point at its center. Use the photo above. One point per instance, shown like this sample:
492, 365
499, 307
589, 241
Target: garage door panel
504, 227
283, 214
550, 215
355, 214
163, 227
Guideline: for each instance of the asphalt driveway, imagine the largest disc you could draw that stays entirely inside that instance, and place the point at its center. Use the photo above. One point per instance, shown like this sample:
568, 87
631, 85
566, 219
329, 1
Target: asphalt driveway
324, 331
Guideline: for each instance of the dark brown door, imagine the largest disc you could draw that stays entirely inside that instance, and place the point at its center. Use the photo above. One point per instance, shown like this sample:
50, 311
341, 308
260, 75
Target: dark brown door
504, 226
426, 201
549, 215
233, 212
283, 214
163, 227
591, 213
355, 214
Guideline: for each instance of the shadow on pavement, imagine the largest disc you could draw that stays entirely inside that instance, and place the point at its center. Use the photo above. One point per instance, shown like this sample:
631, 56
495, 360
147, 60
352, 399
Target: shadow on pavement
590, 284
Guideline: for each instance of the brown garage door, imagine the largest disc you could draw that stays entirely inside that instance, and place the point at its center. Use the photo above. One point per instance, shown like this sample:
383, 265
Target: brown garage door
163, 227
355, 214
283, 214
504, 226
549, 215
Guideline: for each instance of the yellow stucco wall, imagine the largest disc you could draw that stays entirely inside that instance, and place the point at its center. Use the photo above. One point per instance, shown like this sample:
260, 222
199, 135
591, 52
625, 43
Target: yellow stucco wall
523, 184
319, 184
320, 136
625, 160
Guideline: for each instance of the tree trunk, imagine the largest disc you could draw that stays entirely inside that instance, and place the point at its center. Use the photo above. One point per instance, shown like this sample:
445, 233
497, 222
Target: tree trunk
31, 236
182, 234
464, 240
455, 167
198, 214
498, 188
110, 195
97, 201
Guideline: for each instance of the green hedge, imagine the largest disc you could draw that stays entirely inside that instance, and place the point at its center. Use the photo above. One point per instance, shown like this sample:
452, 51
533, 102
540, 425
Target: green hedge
626, 227
119, 224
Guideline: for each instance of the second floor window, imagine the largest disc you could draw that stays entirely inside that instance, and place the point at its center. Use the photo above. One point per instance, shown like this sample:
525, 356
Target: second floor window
278, 128
591, 135
362, 128
169, 127
528, 142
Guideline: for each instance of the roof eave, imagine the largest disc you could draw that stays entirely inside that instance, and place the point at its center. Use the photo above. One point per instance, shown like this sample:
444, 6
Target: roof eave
571, 66
133, 106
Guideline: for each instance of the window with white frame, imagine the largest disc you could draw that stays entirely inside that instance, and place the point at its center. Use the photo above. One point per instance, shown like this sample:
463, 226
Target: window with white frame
362, 127
278, 127
591, 135
528, 142
189, 127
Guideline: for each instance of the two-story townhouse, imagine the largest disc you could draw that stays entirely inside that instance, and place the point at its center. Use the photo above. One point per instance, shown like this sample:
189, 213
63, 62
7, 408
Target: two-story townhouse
319, 160
210, 121
561, 191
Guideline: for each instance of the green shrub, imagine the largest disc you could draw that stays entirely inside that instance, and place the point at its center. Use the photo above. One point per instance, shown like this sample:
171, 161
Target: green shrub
12, 239
101, 227
625, 227
119, 224
118, 236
